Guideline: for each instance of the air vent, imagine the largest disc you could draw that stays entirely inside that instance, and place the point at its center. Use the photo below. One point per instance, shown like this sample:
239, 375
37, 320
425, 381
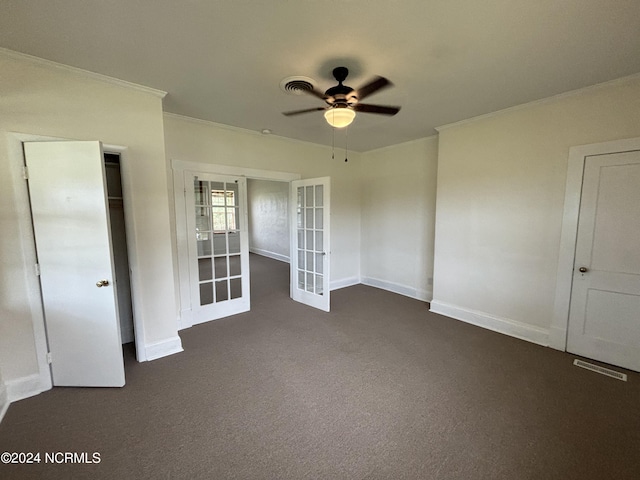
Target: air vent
296, 85
601, 370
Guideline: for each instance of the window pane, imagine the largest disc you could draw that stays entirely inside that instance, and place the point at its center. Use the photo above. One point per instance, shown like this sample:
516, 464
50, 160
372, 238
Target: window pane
319, 195
234, 266
236, 287
200, 190
319, 219
300, 217
219, 244
219, 221
220, 266
204, 246
234, 242
221, 291
300, 238
206, 293
301, 259
203, 220
319, 263
232, 216
309, 245
309, 196
217, 193
300, 279
204, 269
309, 219
319, 242
232, 194
300, 197
310, 261
309, 282
319, 285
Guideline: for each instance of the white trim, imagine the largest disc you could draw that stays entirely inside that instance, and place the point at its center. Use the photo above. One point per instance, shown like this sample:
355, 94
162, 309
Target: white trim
569, 232
343, 283
163, 348
542, 101
273, 255
513, 328
25, 387
418, 294
84, 73
4, 400
132, 250
217, 169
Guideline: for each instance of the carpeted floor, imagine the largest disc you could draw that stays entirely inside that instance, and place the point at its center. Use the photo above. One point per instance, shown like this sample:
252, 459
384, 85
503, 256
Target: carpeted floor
377, 389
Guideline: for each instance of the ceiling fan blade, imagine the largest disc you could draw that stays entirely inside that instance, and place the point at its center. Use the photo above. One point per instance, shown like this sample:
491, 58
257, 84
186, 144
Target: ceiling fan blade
373, 86
382, 109
306, 110
315, 93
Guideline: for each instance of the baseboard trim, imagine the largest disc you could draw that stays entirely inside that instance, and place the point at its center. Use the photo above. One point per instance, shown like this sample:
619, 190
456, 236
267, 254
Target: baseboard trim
24, 387
558, 338
164, 348
418, 294
505, 326
343, 283
267, 253
4, 400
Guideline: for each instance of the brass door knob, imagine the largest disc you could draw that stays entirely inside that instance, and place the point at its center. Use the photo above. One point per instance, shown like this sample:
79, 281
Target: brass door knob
102, 283
583, 269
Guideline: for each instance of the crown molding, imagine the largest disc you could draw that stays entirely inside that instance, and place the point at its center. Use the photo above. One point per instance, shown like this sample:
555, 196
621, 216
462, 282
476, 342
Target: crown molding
84, 73
542, 101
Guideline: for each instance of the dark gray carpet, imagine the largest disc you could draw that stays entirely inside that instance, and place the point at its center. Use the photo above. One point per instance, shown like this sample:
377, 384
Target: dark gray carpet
378, 389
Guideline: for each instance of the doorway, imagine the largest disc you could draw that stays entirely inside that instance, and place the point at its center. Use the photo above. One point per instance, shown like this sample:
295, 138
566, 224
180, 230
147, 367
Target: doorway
598, 283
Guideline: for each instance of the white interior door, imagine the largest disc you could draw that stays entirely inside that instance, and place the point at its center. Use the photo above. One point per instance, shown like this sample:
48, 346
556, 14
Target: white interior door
604, 321
310, 203
69, 206
218, 245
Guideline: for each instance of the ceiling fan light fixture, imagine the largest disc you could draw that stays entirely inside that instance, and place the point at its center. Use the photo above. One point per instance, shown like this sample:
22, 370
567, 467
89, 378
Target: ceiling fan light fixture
339, 117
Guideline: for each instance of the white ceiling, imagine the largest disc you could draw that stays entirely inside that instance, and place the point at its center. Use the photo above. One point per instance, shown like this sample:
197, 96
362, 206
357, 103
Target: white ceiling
223, 60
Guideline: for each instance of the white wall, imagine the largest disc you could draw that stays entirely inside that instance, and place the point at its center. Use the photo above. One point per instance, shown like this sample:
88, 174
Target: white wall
205, 142
41, 99
269, 218
501, 185
398, 217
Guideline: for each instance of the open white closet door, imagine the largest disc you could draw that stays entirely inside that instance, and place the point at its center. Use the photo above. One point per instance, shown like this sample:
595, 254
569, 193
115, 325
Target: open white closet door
218, 245
67, 190
310, 204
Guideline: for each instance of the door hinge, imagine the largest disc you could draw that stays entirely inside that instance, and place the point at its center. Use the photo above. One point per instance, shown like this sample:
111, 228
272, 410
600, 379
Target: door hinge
37, 268
49, 358
25, 172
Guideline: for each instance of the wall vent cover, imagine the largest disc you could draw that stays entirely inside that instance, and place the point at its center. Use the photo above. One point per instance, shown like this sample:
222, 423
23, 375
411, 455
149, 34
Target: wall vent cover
296, 85
601, 370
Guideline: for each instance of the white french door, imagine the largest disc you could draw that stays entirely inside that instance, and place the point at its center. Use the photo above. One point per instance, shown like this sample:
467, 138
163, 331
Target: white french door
69, 206
604, 320
310, 233
218, 245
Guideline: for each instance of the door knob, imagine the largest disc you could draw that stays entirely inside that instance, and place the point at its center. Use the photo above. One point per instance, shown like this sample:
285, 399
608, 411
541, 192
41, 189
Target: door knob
583, 269
102, 283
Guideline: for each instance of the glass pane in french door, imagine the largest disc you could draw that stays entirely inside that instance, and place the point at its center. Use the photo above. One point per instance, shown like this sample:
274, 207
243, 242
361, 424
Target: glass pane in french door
310, 238
218, 240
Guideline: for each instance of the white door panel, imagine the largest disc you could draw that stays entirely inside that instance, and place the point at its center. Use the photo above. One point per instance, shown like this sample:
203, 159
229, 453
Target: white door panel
218, 245
310, 235
604, 322
69, 206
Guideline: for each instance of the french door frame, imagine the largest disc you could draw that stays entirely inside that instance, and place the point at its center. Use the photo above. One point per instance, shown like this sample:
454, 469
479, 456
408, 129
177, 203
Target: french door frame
180, 169
569, 234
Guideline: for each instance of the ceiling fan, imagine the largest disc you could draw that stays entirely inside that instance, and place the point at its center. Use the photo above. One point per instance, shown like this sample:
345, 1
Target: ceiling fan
343, 102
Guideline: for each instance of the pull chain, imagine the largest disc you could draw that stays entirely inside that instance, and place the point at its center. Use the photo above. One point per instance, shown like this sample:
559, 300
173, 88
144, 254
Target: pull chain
346, 144
333, 142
